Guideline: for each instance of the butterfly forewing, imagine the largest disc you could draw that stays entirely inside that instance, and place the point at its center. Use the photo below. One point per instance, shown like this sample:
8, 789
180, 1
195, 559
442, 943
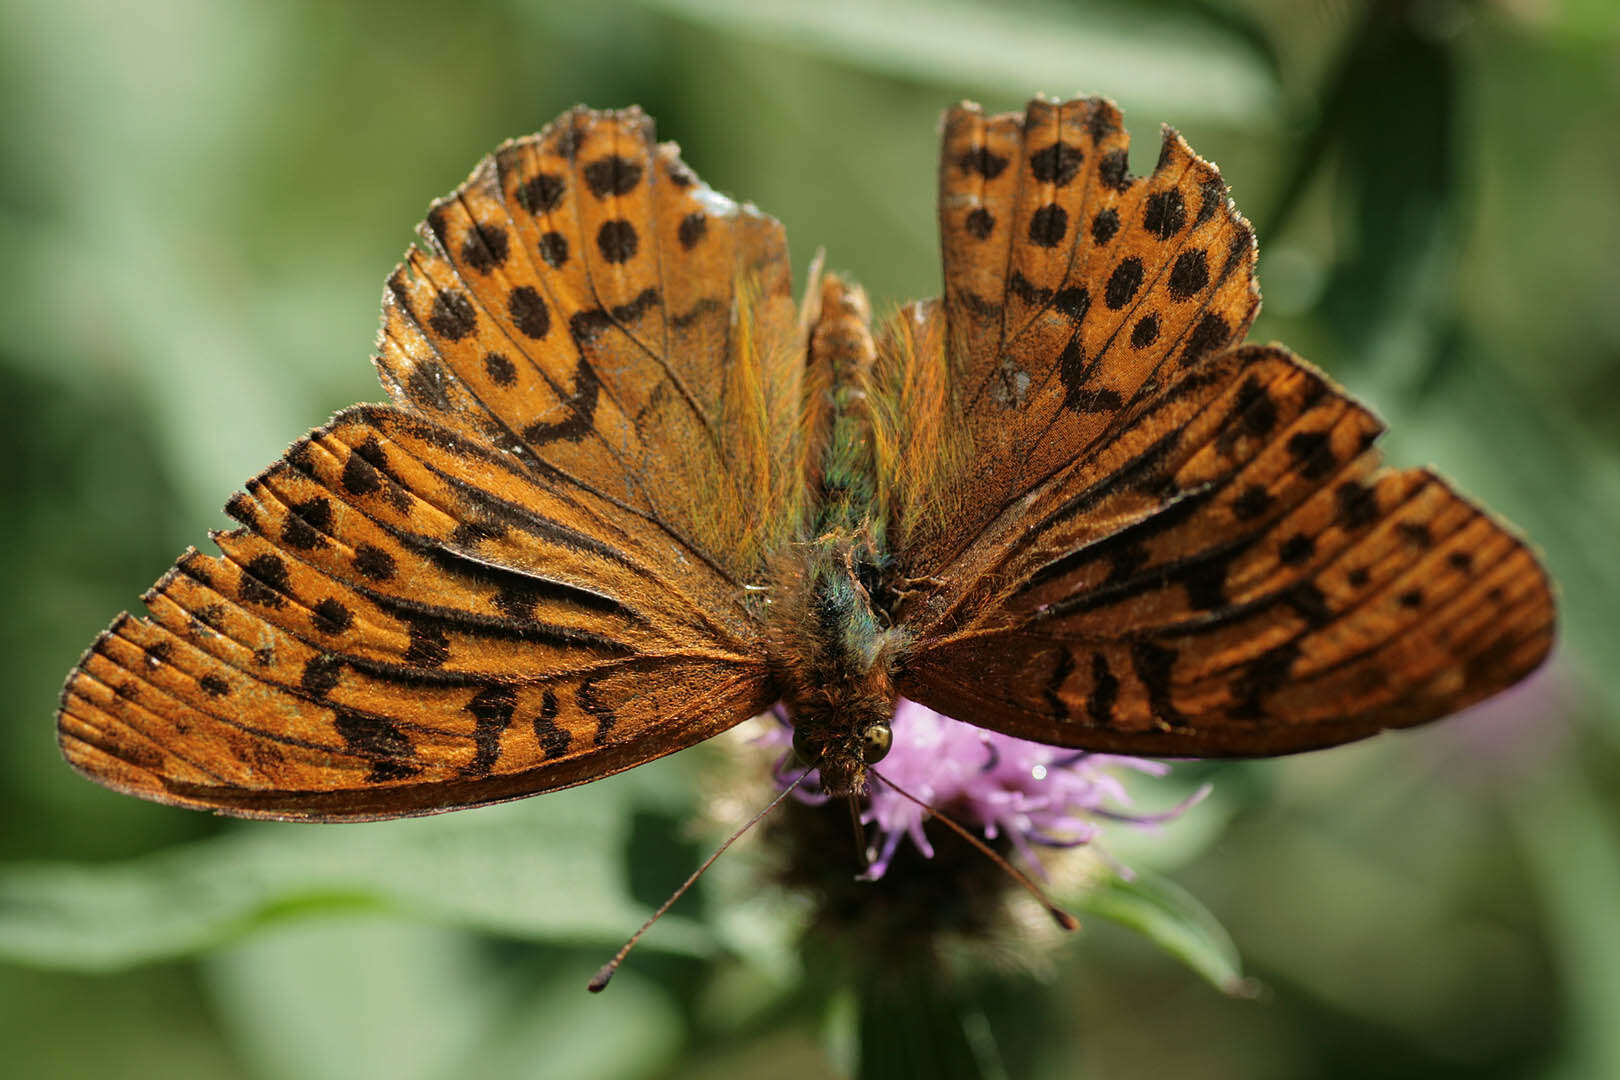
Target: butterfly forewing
1071, 289
529, 575
590, 307
1168, 545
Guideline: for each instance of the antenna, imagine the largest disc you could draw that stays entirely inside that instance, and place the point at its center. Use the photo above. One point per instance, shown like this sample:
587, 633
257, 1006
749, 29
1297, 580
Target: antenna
599, 981
1064, 919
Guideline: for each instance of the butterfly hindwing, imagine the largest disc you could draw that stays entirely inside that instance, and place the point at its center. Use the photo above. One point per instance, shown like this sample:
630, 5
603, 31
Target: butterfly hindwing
1213, 563
408, 621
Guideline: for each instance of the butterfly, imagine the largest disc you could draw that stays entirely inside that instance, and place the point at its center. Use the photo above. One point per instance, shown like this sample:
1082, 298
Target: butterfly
628, 493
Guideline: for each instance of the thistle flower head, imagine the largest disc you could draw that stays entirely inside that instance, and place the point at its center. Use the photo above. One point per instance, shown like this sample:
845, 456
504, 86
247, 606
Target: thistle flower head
1026, 793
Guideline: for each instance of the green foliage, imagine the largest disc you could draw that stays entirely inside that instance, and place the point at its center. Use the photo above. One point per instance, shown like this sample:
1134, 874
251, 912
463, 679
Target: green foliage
528, 870
1173, 919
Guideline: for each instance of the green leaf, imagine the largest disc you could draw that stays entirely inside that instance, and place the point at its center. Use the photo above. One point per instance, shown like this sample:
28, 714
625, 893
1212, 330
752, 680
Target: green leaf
1174, 920
361, 997
1565, 831
548, 869
1157, 61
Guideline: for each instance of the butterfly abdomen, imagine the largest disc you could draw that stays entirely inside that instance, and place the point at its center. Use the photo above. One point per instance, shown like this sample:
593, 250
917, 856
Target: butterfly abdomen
841, 353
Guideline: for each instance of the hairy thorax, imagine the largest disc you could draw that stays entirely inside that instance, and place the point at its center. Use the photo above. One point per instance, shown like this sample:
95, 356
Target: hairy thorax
836, 660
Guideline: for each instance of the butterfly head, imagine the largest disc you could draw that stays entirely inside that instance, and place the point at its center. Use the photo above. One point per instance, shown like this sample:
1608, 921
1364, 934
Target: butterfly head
842, 752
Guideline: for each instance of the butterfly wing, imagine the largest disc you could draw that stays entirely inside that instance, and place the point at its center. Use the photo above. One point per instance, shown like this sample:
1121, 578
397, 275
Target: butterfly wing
526, 574
1171, 545
589, 307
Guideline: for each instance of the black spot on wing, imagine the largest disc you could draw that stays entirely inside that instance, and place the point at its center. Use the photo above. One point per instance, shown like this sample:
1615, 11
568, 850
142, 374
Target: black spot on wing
425, 385
1104, 226
321, 673
584, 326
600, 710
1297, 549
1313, 452
1209, 334
612, 175
373, 562
453, 316
1189, 275
264, 581
1072, 303
500, 369
1056, 164
360, 477
982, 161
485, 248
1123, 283
679, 175
330, 616
617, 240
553, 740
1164, 213
1154, 666
1104, 692
1211, 197
529, 312
1263, 675
1253, 414
1252, 502
1357, 503
1310, 602
1048, 225
692, 229
540, 193
633, 309
1415, 533
554, 249
308, 523
379, 739
492, 710
1114, 170
1145, 332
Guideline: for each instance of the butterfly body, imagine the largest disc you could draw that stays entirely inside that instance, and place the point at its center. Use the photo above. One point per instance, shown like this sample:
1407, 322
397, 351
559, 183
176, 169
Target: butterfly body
627, 494
838, 648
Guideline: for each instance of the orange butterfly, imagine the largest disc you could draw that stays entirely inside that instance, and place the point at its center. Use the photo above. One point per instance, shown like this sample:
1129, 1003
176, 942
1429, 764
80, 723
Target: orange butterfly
629, 494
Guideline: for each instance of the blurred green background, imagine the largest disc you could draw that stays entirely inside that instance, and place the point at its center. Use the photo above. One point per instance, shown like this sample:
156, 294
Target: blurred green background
198, 204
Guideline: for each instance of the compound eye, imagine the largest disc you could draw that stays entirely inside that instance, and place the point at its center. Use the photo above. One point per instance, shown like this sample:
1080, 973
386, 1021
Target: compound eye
807, 754
875, 742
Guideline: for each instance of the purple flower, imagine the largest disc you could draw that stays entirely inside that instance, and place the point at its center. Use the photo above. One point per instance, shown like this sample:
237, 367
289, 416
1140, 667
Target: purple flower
1031, 793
